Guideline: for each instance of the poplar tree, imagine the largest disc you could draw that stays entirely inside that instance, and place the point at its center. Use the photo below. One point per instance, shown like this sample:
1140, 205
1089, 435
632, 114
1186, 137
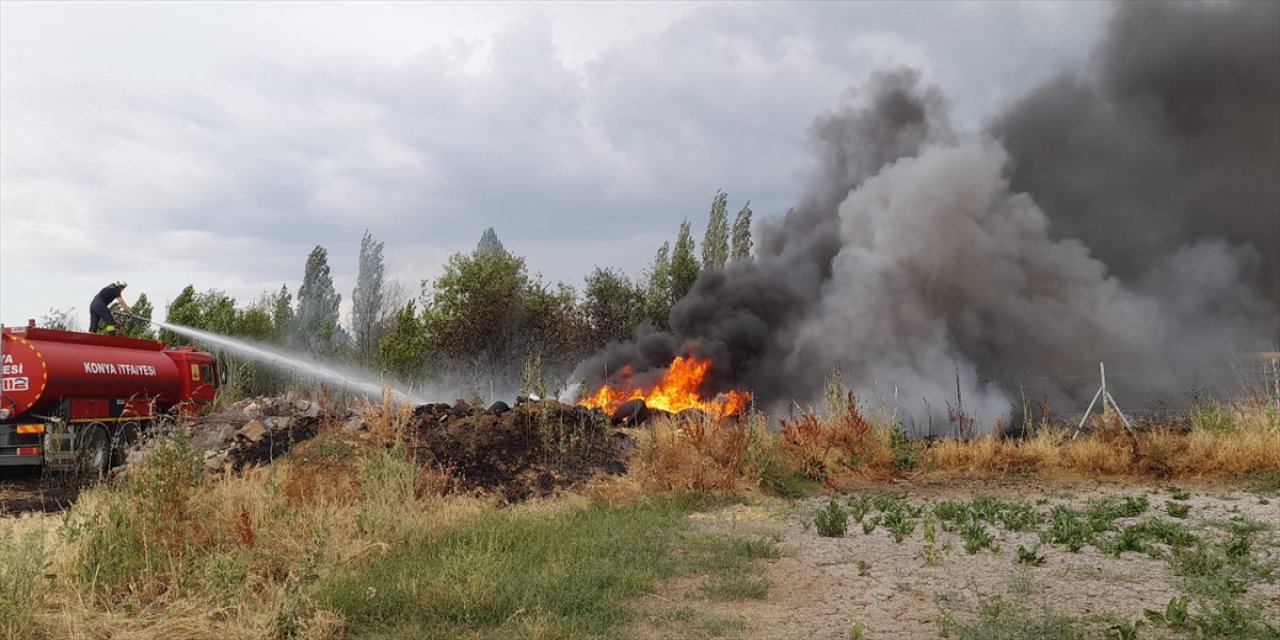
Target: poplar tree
367, 300
315, 328
742, 234
715, 244
684, 266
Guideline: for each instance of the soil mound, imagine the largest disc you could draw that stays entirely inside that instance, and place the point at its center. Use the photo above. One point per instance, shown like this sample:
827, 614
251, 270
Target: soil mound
532, 450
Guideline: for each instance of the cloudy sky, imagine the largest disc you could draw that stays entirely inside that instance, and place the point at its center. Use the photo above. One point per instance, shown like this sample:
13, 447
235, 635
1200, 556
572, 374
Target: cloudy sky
215, 144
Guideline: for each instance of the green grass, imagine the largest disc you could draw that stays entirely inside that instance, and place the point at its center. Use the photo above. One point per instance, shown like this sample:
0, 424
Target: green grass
998, 619
509, 576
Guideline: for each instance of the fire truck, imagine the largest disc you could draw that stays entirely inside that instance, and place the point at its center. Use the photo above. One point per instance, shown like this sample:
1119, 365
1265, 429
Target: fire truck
77, 401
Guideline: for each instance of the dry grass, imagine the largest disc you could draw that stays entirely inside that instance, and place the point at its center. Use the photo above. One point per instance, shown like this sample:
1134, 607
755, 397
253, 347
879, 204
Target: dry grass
1252, 446
846, 451
170, 552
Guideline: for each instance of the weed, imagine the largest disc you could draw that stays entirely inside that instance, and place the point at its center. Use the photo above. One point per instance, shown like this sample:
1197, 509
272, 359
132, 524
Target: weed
1124, 630
899, 524
22, 561
1179, 494
864, 569
859, 506
932, 554
832, 522
1175, 615
977, 538
856, 631
296, 606
1177, 510
870, 525
1213, 416
905, 455
1030, 557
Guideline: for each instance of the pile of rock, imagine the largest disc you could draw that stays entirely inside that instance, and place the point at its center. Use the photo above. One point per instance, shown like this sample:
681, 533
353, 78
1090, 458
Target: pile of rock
253, 431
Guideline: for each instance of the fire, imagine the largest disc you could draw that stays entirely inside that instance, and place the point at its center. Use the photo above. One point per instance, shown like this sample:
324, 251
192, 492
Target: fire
677, 391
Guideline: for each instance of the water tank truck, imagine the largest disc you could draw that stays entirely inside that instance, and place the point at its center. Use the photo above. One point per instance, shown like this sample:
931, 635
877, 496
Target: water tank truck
73, 400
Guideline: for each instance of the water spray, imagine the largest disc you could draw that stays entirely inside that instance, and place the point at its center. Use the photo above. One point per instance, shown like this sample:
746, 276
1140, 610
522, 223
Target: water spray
349, 380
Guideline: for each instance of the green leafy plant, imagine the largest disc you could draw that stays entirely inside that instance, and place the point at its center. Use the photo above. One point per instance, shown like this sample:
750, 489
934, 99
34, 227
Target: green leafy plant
1177, 509
832, 522
1030, 557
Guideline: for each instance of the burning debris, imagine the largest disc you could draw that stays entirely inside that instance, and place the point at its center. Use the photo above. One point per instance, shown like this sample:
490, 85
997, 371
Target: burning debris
677, 389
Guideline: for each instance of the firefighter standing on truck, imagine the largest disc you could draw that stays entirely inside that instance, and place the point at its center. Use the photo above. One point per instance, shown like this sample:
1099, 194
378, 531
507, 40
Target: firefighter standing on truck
100, 308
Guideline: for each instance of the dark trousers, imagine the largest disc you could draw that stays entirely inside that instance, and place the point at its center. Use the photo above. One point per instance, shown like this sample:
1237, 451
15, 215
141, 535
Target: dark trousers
99, 312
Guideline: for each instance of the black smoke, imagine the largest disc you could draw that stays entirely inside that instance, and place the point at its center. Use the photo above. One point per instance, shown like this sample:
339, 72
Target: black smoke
1126, 213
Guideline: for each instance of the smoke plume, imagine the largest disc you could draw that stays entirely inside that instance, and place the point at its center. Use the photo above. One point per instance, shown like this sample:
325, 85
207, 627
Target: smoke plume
1126, 213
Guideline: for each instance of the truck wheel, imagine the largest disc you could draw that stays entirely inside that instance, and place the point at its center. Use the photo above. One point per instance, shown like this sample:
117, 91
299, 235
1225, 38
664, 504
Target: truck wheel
126, 436
93, 451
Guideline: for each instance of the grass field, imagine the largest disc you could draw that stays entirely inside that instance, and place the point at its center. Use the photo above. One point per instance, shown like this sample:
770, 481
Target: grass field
823, 527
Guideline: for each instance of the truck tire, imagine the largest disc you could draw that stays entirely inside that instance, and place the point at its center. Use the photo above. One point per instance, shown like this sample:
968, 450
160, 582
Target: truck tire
124, 439
93, 451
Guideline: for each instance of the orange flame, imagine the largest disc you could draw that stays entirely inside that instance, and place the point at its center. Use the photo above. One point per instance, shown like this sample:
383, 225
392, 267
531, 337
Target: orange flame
677, 391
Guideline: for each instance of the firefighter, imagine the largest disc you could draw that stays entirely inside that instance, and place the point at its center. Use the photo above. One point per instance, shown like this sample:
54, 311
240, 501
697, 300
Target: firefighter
100, 308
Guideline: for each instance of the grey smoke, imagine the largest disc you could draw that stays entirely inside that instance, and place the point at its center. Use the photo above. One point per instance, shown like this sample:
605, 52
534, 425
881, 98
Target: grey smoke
1107, 216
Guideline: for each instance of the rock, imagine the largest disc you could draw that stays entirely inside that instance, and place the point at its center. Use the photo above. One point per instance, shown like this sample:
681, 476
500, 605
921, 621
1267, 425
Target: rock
499, 407
353, 424
461, 406
253, 410
215, 461
631, 412
307, 409
253, 431
279, 423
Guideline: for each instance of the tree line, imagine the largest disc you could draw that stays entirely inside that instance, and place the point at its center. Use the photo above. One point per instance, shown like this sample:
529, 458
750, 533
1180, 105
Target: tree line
481, 319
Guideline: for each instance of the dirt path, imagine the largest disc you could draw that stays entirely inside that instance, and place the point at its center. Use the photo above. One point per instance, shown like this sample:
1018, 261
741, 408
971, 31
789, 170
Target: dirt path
829, 588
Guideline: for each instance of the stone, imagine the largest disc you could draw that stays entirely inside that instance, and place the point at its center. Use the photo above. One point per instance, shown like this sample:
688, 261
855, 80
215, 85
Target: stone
253, 431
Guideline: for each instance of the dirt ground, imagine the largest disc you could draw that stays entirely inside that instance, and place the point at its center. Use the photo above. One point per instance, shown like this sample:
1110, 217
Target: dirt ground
27, 491
824, 587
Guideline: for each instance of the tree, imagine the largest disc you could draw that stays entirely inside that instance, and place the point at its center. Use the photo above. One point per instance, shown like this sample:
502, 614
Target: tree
475, 306
612, 307
367, 324
64, 319
403, 353
489, 243
315, 328
715, 244
657, 294
684, 266
742, 234
281, 312
133, 327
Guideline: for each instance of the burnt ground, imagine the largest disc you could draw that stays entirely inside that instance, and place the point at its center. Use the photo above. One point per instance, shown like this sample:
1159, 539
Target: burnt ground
27, 490
536, 449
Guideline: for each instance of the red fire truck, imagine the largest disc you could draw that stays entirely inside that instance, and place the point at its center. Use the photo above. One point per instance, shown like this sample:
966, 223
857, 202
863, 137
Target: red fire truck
74, 400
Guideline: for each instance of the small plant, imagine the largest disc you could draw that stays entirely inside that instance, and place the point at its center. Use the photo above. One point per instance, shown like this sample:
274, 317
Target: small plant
870, 525
1124, 630
899, 524
1179, 494
832, 522
1177, 509
856, 631
1213, 416
1030, 557
858, 507
932, 554
905, 455
1175, 615
864, 569
977, 538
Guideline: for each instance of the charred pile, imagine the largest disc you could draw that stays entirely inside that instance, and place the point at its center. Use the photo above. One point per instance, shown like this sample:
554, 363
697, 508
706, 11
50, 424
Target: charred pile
532, 450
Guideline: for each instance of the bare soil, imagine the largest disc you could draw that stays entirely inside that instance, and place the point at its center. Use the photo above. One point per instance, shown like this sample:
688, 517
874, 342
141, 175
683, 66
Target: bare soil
822, 587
